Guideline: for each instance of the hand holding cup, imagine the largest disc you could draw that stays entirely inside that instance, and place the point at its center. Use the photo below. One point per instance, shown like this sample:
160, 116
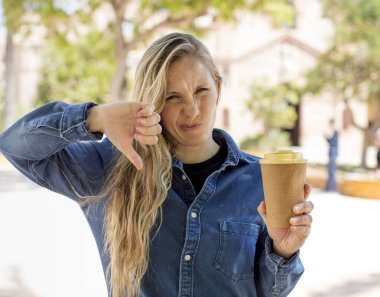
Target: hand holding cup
286, 241
285, 211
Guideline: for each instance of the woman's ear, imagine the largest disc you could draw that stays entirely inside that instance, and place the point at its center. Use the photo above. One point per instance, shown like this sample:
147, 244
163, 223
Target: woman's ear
218, 91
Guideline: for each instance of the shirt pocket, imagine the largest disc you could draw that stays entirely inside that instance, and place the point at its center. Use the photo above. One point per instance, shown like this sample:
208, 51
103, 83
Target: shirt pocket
237, 248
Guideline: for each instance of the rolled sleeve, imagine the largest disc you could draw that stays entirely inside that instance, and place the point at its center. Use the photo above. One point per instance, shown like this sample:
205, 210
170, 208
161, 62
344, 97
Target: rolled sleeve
276, 263
287, 272
53, 147
74, 126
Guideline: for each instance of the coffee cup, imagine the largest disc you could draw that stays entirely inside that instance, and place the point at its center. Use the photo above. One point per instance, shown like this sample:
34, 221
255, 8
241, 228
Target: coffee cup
283, 177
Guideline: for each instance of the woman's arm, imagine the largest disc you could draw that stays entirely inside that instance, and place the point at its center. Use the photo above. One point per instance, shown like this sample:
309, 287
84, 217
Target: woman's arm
53, 147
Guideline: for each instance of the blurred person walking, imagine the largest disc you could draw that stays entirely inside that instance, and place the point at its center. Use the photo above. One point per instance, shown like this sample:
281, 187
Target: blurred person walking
332, 139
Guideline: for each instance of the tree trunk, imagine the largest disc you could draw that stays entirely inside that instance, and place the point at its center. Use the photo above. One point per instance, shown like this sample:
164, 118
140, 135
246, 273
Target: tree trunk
376, 119
369, 132
118, 83
365, 144
10, 93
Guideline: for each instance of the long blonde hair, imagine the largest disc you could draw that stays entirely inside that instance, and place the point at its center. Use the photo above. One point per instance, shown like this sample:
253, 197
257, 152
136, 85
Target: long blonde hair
134, 198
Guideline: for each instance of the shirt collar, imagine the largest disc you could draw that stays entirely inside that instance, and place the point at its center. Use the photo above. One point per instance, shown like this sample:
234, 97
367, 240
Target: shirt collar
234, 154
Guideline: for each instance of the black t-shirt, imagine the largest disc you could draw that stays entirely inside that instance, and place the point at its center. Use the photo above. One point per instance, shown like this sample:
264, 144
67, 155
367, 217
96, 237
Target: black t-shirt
199, 172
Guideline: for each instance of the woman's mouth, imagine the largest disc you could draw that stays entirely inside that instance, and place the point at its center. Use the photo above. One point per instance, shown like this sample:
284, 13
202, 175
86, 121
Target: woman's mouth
189, 127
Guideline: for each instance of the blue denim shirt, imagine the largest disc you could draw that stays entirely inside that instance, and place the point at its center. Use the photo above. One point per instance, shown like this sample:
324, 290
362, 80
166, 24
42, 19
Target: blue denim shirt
217, 247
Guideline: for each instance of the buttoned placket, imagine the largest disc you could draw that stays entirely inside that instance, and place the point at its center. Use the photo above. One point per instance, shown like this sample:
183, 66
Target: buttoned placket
191, 242
193, 234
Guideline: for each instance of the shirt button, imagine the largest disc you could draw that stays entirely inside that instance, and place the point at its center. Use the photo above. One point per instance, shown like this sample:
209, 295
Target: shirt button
187, 258
193, 214
183, 177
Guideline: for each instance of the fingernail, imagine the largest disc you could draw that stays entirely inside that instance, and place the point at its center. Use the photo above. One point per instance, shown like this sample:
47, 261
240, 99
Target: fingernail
297, 208
292, 221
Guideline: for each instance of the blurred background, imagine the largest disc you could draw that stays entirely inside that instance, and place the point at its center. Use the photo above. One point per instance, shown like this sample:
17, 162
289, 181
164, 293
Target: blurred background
300, 74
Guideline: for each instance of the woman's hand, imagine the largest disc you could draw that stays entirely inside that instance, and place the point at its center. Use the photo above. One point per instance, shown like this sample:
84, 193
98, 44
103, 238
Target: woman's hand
286, 241
124, 122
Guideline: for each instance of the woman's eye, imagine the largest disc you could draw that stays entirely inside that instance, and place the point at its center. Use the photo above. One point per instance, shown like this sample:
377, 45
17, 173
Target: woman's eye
200, 90
172, 97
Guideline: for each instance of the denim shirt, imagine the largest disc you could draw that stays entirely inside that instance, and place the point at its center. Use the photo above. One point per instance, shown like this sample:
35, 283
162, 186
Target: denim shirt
217, 247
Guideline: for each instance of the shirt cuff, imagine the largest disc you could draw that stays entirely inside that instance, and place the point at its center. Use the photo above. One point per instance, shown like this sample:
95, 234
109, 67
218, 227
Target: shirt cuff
276, 263
74, 126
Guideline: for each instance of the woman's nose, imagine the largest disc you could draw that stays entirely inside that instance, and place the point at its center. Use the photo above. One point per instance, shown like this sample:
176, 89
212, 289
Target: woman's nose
191, 107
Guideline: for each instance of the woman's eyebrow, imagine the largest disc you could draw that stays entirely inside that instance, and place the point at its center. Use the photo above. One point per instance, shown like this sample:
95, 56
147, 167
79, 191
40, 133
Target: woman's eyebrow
197, 87
173, 92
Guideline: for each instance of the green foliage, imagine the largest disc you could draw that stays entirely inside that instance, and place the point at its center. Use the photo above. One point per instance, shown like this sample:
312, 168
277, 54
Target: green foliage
225, 9
79, 71
283, 12
182, 15
352, 64
274, 106
271, 141
21, 15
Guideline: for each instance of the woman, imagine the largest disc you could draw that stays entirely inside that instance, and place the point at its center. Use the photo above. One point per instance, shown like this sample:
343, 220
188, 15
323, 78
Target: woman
177, 213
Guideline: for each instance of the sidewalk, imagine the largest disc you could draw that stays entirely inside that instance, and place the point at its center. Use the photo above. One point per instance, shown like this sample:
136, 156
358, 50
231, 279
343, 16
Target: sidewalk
341, 256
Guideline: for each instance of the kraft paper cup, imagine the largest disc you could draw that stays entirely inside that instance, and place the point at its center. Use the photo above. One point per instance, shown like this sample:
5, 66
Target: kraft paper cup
283, 176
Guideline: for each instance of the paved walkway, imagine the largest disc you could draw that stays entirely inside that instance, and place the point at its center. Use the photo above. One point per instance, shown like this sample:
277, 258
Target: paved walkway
47, 255
342, 254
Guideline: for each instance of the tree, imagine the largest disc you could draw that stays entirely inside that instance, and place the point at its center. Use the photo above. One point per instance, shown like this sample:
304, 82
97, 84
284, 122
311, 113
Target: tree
79, 70
19, 20
274, 106
351, 67
12, 11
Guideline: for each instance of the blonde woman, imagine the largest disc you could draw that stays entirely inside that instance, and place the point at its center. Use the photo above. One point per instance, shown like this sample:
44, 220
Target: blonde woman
175, 207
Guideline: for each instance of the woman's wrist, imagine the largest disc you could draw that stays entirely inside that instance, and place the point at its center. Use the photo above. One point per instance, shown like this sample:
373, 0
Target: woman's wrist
283, 254
94, 120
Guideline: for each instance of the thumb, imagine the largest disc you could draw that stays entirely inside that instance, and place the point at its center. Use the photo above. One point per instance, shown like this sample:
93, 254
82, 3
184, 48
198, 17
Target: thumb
262, 211
133, 156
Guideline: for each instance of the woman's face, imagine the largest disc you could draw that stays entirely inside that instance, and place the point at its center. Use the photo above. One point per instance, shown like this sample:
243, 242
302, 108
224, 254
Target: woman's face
190, 103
